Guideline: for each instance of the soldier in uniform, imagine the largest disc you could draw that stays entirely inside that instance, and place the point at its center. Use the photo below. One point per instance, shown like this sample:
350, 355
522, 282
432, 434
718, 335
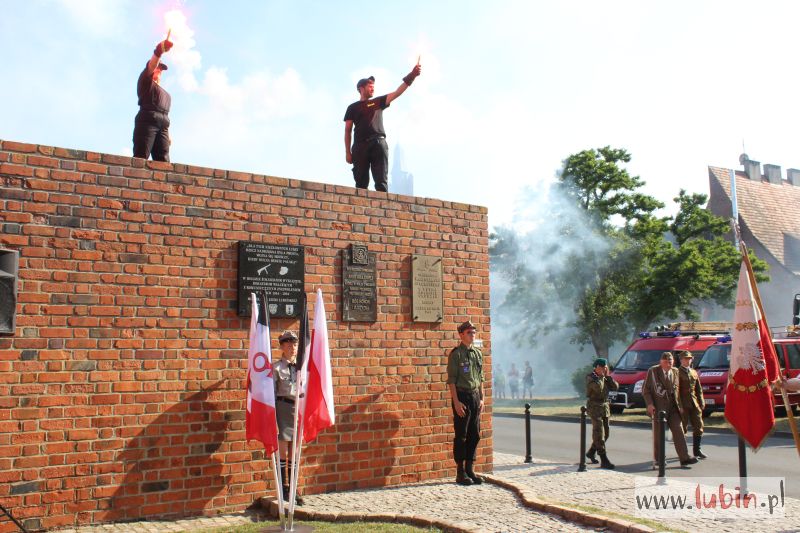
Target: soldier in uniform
661, 393
598, 383
465, 381
692, 401
284, 373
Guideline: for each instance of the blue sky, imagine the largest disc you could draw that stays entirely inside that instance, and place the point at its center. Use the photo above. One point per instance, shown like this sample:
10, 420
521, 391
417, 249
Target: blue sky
508, 89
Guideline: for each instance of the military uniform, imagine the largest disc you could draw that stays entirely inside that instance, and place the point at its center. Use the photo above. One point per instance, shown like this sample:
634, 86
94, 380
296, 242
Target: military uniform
465, 373
598, 409
693, 403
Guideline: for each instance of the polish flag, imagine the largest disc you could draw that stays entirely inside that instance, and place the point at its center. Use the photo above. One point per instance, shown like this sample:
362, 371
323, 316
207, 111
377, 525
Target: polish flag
260, 421
318, 413
754, 366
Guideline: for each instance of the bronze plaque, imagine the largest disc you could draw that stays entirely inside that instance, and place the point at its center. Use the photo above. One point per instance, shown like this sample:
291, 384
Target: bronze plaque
276, 268
359, 285
426, 286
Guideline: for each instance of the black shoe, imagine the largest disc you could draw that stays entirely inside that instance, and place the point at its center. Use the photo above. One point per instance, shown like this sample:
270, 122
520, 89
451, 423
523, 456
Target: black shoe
463, 479
689, 461
605, 463
591, 455
475, 478
697, 452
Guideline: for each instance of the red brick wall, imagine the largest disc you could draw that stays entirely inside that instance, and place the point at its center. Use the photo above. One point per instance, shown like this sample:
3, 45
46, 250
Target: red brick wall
121, 393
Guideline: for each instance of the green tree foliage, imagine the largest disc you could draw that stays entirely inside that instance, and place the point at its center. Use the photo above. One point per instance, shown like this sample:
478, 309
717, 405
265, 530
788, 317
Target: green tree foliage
621, 267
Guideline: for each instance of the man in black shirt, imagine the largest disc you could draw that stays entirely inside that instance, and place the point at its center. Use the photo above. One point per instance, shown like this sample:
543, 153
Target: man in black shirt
369, 148
151, 127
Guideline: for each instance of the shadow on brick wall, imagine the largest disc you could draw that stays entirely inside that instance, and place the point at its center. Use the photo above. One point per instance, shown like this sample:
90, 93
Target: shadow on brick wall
170, 468
366, 454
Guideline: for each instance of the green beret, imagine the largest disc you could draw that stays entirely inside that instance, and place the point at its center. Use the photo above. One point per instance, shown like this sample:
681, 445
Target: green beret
600, 361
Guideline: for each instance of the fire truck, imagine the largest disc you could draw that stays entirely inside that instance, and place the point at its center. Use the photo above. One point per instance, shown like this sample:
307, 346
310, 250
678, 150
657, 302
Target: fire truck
714, 366
631, 368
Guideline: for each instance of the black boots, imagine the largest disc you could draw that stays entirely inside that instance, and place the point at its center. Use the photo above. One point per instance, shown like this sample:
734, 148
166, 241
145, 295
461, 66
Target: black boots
461, 476
697, 452
689, 461
476, 479
590, 455
605, 463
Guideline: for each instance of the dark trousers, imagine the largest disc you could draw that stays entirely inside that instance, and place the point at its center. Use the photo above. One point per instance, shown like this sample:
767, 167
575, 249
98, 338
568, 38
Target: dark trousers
374, 154
151, 135
468, 427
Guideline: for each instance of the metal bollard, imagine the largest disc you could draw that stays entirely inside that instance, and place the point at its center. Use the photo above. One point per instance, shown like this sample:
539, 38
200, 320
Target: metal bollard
582, 464
742, 467
528, 457
662, 441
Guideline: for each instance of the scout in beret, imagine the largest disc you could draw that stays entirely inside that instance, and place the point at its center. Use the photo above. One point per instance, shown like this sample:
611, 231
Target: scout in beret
598, 384
284, 373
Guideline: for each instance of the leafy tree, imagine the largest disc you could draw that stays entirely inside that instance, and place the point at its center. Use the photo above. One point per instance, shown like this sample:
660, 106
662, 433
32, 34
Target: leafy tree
623, 268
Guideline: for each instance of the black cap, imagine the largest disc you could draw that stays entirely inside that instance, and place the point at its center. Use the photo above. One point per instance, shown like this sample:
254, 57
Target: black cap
287, 335
465, 326
364, 81
162, 66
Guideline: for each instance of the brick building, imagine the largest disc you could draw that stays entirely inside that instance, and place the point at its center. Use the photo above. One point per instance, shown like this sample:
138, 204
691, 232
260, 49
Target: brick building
770, 226
121, 389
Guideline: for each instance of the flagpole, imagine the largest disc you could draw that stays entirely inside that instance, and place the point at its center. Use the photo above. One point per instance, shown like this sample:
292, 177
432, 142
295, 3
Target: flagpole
757, 297
277, 469
297, 439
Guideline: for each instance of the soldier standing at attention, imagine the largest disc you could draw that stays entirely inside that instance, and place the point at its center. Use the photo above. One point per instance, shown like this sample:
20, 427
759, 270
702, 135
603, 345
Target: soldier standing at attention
285, 376
692, 402
598, 383
369, 150
465, 381
151, 126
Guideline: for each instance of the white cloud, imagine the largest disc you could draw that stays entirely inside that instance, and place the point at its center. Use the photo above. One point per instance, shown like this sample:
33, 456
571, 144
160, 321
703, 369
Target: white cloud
100, 18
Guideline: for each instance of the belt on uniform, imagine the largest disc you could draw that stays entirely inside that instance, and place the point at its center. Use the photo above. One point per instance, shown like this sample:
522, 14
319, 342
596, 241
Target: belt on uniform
285, 399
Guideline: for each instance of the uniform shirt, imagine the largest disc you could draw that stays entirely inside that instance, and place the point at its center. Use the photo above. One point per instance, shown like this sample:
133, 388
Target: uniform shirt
367, 116
152, 97
597, 388
465, 367
285, 376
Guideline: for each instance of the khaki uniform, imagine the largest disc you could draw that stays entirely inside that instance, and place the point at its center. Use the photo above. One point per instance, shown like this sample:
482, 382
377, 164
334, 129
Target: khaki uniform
598, 408
691, 394
465, 371
662, 392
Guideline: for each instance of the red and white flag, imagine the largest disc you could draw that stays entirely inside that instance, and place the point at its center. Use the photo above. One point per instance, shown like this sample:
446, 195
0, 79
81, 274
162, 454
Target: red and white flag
754, 367
319, 412
260, 421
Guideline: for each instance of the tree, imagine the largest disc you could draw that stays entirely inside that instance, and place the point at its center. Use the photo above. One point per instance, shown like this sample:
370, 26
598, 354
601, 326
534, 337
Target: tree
622, 268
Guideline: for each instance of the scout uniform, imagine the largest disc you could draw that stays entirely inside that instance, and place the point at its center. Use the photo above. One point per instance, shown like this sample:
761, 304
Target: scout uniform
284, 374
598, 409
465, 374
691, 393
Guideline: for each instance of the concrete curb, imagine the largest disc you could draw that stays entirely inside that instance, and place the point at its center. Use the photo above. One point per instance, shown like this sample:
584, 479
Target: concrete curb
625, 423
412, 520
529, 500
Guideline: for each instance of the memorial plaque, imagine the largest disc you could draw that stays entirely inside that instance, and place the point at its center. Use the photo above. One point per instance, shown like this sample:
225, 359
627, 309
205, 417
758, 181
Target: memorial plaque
426, 287
359, 285
275, 268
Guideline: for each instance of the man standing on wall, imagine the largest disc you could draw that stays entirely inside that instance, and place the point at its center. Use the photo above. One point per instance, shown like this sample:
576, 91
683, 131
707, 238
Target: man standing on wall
465, 381
661, 393
369, 150
151, 127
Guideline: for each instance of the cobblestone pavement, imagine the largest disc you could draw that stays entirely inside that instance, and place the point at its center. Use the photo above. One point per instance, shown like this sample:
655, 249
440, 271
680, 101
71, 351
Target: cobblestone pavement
612, 493
488, 507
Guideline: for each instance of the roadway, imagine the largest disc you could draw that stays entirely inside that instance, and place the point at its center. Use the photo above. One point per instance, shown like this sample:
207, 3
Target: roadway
630, 449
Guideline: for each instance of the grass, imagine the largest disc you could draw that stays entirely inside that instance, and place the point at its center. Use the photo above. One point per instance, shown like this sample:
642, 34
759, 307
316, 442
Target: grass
325, 527
571, 408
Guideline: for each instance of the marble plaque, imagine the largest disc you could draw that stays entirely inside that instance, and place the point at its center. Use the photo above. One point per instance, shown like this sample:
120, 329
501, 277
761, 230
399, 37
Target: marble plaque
276, 268
359, 285
426, 287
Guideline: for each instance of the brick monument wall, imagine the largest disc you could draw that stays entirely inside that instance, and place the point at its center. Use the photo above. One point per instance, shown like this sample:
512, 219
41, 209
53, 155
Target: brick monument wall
122, 390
